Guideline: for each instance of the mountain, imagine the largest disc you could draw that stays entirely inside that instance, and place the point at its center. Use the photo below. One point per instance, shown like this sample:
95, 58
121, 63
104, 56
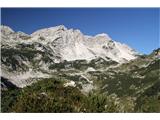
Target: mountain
69, 44
25, 57
73, 45
61, 70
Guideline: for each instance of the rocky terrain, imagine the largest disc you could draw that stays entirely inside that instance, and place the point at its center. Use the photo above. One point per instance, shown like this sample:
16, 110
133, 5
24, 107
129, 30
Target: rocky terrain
61, 70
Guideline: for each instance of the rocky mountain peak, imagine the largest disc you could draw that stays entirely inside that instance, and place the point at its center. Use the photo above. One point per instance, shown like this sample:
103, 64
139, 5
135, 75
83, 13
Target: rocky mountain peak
6, 30
70, 44
104, 35
49, 31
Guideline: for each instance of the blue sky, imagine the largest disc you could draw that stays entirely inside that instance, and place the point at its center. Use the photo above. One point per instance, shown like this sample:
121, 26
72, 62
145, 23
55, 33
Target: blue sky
136, 27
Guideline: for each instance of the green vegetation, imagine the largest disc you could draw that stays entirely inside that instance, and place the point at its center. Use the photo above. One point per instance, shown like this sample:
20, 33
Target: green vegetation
149, 101
8, 99
49, 95
83, 64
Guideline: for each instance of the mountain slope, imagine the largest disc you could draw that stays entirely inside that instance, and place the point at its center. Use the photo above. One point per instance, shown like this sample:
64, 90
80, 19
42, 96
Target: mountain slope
26, 58
61, 70
73, 45
135, 89
69, 44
